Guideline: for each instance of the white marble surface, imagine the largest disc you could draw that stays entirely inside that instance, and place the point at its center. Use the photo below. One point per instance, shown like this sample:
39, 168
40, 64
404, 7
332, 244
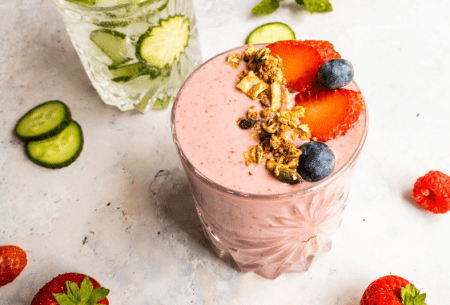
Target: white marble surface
107, 215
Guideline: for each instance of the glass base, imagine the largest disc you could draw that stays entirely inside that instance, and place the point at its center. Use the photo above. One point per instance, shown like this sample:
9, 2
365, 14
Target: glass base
260, 267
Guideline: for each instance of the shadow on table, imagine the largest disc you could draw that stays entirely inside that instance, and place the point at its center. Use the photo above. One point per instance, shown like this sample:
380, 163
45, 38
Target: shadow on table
173, 198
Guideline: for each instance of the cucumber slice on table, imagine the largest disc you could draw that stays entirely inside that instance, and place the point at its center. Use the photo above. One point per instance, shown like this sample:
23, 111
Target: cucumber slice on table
58, 151
43, 121
161, 45
270, 32
112, 43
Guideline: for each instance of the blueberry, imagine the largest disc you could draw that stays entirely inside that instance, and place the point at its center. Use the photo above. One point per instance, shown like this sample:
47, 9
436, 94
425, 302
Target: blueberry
316, 161
336, 73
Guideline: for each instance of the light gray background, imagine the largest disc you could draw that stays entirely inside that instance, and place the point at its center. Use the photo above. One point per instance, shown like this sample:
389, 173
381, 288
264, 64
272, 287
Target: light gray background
107, 215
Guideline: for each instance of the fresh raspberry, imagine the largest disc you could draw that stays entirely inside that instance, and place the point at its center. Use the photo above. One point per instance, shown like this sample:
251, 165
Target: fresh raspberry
432, 192
302, 60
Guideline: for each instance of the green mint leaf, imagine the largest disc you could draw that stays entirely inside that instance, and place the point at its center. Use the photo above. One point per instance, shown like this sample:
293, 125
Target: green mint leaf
86, 289
73, 292
320, 6
98, 294
63, 299
266, 7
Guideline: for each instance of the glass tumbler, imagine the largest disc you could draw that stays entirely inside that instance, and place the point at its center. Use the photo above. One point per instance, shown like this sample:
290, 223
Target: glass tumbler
136, 53
269, 234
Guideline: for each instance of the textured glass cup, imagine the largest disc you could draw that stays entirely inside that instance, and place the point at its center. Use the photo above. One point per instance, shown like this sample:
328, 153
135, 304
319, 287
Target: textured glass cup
107, 38
269, 234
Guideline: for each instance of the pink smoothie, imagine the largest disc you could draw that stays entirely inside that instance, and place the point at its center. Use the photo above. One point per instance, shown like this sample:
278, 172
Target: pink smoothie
205, 122
267, 226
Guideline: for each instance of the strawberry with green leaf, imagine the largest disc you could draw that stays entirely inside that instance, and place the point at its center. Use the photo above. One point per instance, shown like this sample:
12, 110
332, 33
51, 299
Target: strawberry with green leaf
266, 7
392, 290
71, 289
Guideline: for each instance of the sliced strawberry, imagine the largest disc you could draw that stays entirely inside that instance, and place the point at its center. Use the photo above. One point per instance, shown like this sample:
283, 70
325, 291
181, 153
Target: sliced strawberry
302, 60
13, 260
330, 113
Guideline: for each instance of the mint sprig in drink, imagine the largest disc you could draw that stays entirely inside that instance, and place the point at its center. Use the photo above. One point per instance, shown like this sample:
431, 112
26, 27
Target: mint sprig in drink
137, 53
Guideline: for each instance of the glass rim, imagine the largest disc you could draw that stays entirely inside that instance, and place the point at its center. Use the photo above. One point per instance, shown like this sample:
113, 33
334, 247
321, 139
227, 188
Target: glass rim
320, 184
89, 8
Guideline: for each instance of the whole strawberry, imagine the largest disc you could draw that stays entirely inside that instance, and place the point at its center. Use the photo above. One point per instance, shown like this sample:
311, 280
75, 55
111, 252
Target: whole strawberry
12, 261
71, 289
432, 192
392, 290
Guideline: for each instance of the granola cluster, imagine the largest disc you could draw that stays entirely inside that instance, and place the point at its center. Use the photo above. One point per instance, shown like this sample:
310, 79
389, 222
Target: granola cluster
275, 126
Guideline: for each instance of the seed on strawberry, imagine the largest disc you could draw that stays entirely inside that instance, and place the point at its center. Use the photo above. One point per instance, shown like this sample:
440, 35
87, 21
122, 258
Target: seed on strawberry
330, 113
392, 290
302, 60
12, 261
432, 192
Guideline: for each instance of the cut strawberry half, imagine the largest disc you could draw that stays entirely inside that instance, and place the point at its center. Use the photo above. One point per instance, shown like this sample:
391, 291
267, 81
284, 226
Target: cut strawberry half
302, 60
330, 113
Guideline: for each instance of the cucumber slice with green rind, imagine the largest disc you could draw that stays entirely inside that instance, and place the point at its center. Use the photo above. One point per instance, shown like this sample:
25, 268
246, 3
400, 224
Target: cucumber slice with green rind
113, 24
112, 43
83, 2
161, 45
43, 121
125, 73
58, 151
270, 32
161, 104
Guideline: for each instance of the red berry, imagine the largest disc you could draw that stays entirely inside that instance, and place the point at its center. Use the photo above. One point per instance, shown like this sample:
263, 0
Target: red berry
384, 291
432, 192
330, 113
392, 290
56, 291
12, 261
302, 60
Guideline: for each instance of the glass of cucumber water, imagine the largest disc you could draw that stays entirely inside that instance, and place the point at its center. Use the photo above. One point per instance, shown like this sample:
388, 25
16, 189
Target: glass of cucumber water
137, 53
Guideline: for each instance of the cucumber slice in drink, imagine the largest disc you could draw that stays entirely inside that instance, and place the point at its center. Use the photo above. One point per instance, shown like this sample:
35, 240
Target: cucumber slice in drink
270, 32
160, 46
125, 73
58, 151
161, 104
43, 121
112, 43
84, 2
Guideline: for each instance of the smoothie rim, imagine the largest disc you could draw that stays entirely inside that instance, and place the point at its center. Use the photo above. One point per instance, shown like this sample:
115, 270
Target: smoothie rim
314, 185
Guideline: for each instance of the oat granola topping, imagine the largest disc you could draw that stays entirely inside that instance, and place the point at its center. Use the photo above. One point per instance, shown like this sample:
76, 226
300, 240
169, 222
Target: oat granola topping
276, 126
234, 60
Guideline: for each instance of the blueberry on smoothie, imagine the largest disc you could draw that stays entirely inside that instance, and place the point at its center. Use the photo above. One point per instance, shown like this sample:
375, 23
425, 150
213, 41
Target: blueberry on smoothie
316, 161
335, 73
